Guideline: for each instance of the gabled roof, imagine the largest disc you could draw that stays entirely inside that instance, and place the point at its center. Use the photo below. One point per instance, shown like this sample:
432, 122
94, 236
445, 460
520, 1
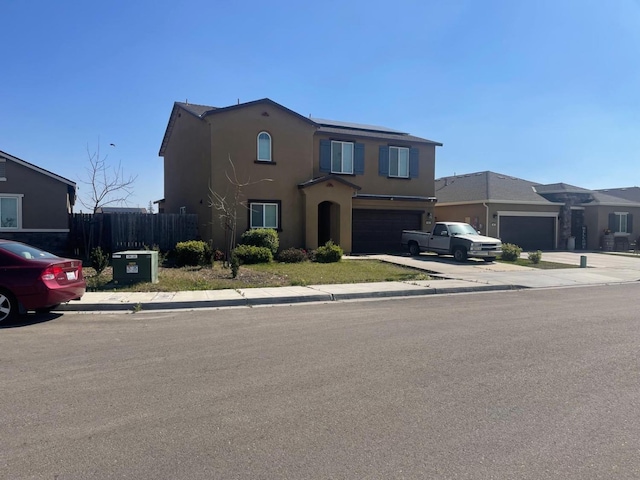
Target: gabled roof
494, 187
121, 210
35, 168
560, 188
487, 187
322, 125
628, 193
355, 126
202, 111
327, 178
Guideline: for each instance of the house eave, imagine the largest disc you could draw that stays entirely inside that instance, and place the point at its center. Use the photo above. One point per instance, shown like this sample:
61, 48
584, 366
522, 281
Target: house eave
504, 202
35, 168
404, 198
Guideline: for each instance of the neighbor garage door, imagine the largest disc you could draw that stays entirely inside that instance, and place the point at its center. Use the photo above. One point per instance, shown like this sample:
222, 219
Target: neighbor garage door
380, 231
529, 233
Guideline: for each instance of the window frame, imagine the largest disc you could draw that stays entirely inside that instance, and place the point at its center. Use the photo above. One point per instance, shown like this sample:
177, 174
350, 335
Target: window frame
408, 163
270, 159
278, 206
3, 169
18, 199
342, 170
619, 216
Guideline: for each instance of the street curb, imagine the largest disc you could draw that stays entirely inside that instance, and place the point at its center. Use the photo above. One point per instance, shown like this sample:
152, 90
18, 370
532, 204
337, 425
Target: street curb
263, 301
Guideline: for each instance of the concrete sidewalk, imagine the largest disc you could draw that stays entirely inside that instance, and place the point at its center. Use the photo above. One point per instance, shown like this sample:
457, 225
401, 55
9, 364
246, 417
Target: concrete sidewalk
451, 277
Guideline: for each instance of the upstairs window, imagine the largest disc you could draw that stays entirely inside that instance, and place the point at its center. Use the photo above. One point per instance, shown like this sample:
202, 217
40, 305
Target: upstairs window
399, 162
264, 147
3, 170
341, 157
264, 215
9, 212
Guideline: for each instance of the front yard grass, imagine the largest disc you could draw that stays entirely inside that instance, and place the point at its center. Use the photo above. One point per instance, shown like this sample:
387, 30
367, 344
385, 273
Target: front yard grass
261, 275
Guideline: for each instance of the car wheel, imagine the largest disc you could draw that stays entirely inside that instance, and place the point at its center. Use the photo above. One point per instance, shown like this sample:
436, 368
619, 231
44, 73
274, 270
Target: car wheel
460, 254
8, 306
414, 249
489, 259
47, 309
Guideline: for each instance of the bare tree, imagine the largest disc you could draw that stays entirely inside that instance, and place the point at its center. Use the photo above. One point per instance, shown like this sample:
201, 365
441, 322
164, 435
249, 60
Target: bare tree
227, 206
107, 184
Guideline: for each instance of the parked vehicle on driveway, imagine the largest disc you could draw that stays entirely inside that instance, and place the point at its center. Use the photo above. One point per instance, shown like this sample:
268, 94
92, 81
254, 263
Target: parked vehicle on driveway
32, 279
452, 238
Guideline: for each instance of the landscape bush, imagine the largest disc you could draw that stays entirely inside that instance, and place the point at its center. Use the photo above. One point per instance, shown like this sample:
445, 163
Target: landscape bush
190, 253
249, 254
510, 252
292, 255
261, 237
99, 260
535, 257
212, 254
328, 253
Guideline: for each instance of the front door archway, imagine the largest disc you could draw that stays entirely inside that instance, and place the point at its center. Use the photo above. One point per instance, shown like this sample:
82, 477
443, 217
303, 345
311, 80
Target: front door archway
328, 222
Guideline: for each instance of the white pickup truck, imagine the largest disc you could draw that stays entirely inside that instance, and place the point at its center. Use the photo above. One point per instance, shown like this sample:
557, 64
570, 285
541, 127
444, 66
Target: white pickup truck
452, 238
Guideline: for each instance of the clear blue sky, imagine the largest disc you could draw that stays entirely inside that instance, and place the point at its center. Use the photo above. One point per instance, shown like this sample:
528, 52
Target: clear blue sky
548, 90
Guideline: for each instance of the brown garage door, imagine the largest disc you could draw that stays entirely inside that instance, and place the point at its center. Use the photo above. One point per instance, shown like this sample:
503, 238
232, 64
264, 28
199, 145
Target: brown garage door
380, 231
529, 233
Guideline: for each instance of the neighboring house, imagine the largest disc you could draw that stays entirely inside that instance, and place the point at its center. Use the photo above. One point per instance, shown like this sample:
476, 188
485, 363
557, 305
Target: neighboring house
34, 204
628, 193
313, 180
536, 216
121, 210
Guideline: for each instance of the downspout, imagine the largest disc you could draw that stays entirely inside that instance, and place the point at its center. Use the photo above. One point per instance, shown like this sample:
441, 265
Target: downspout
486, 228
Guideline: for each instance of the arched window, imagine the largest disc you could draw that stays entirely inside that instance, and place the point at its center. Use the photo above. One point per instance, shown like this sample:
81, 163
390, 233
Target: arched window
264, 147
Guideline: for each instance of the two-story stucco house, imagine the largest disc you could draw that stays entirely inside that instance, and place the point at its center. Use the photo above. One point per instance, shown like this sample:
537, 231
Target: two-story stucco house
34, 204
311, 179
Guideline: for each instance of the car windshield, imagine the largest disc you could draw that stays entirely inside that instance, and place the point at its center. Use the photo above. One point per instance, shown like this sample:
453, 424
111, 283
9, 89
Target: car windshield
462, 230
25, 251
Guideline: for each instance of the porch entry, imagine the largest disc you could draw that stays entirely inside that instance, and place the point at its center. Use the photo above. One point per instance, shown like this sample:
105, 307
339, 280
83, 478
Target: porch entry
328, 222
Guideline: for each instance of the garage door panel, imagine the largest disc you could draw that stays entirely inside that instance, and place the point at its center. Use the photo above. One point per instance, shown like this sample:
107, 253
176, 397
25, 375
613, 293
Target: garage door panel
530, 233
380, 231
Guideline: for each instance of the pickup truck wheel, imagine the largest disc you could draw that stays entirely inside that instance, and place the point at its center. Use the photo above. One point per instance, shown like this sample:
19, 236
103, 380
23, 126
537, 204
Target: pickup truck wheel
414, 249
489, 259
460, 254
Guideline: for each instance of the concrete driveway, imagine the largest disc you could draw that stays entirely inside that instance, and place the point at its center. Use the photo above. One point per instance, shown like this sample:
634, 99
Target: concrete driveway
601, 269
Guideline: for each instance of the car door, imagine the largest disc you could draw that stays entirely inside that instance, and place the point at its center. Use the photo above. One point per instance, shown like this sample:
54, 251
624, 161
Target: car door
439, 240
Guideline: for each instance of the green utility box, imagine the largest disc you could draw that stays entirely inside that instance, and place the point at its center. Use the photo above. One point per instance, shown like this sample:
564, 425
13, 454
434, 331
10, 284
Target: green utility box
135, 266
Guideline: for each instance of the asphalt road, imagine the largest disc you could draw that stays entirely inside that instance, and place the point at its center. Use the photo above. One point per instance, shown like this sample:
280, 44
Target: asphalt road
540, 384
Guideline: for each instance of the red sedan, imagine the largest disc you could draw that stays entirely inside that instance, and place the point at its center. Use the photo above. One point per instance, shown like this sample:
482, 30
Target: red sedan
32, 279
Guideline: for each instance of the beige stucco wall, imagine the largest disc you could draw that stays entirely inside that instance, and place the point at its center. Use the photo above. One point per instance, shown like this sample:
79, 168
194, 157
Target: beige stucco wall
45, 202
341, 212
371, 182
484, 216
186, 169
597, 220
234, 133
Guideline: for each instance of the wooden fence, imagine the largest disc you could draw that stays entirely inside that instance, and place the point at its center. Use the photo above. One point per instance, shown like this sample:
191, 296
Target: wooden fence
130, 231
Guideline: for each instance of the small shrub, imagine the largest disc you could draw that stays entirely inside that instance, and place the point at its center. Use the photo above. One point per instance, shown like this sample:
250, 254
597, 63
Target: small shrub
329, 253
535, 257
99, 260
292, 255
162, 256
510, 252
190, 253
248, 254
261, 237
235, 265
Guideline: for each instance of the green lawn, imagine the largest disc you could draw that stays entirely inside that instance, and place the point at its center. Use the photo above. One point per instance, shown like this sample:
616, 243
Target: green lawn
262, 275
